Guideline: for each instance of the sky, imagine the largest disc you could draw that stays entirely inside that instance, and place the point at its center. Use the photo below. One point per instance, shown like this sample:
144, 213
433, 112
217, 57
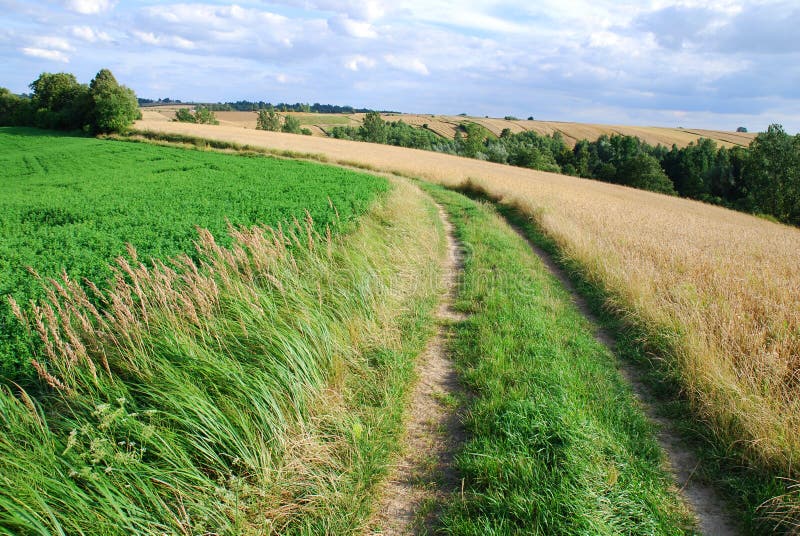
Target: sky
711, 64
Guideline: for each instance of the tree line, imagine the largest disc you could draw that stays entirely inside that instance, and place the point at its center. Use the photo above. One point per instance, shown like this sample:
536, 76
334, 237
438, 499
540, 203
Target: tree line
268, 119
201, 115
254, 106
59, 102
761, 179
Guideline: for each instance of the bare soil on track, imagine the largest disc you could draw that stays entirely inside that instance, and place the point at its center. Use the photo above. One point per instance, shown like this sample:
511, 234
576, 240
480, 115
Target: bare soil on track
425, 476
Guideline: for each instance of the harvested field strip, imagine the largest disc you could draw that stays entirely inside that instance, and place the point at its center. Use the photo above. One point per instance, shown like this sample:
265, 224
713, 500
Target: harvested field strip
741, 139
255, 390
446, 130
556, 443
446, 126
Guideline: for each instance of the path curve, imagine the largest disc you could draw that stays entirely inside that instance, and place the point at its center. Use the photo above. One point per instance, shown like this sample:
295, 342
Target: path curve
425, 475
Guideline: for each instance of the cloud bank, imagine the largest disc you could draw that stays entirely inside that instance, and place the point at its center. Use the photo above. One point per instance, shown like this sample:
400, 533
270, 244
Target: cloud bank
718, 64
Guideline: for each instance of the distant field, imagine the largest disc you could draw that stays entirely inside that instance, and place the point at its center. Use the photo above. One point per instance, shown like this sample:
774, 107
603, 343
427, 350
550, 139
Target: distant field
447, 125
73, 203
248, 119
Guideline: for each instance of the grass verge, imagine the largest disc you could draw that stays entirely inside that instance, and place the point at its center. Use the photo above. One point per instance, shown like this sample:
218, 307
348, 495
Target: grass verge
750, 491
257, 390
556, 442
198, 142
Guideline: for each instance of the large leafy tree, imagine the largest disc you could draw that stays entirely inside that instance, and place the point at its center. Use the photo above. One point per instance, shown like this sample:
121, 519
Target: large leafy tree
291, 124
268, 120
205, 115
772, 174
60, 102
373, 128
14, 110
115, 106
644, 172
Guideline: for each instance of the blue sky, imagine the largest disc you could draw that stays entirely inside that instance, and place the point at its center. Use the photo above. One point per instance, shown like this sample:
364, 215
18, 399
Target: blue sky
714, 64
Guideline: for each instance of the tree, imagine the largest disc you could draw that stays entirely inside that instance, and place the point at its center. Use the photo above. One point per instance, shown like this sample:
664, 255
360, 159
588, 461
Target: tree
53, 91
14, 110
772, 174
476, 137
373, 128
580, 158
205, 116
644, 172
291, 124
268, 120
184, 115
115, 107
60, 102
741, 129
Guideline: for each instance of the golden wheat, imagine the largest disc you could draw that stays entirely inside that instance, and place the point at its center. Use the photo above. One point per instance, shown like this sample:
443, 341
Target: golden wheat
447, 126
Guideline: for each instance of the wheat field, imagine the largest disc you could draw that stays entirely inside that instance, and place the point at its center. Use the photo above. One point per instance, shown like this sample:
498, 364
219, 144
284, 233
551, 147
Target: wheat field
447, 126
716, 288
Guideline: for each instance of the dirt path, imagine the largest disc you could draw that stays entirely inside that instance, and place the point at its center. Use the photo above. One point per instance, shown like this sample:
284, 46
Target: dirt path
424, 476
712, 516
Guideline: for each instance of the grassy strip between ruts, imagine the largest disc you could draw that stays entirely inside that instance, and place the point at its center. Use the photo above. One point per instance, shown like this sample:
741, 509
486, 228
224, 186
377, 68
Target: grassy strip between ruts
749, 491
257, 391
556, 442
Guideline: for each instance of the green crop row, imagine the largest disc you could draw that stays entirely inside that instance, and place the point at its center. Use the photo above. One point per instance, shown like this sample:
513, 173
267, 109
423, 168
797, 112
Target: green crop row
71, 203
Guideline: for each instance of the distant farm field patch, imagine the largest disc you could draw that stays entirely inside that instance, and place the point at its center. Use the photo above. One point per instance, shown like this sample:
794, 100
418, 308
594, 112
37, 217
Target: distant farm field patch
323, 119
74, 203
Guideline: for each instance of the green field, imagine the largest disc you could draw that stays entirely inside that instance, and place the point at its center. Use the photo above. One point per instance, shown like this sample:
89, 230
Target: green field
73, 203
256, 387
322, 119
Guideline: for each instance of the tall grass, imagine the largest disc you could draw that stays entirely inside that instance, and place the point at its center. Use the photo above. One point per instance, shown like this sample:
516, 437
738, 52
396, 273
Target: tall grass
221, 395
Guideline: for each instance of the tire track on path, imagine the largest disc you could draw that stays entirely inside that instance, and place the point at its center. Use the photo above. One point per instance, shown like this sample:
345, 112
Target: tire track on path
425, 475
711, 512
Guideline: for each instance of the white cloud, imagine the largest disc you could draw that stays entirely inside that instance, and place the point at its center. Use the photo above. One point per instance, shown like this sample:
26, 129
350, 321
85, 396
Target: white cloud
214, 17
47, 47
620, 60
53, 55
150, 38
49, 42
231, 31
89, 7
357, 63
411, 65
87, 33
366, 10
353, 28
